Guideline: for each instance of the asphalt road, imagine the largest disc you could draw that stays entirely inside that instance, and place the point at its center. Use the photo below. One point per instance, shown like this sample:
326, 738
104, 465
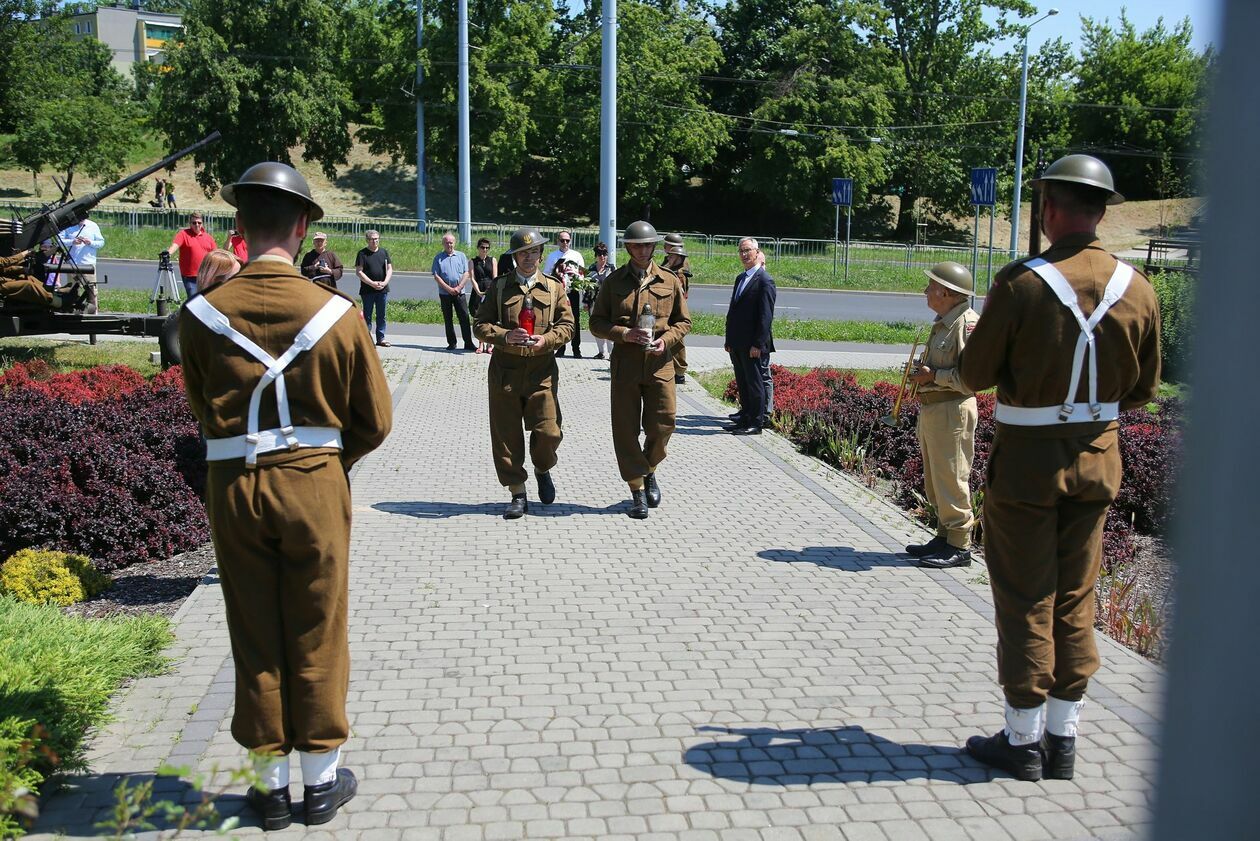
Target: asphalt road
823, 304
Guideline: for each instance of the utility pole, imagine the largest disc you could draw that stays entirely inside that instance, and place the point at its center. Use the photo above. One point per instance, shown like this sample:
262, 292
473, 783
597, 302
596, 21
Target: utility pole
465, 190
1019, 137
608, 128
420, 196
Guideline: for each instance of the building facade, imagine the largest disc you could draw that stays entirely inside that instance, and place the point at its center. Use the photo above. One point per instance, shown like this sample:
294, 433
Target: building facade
132, 35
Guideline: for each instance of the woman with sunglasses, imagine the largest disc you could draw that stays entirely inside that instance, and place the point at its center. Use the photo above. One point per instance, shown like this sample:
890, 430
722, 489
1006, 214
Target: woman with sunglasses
482, 277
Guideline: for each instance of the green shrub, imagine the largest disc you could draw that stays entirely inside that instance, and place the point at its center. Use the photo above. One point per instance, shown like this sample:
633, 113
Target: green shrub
1175, 291
19, 742
46, 576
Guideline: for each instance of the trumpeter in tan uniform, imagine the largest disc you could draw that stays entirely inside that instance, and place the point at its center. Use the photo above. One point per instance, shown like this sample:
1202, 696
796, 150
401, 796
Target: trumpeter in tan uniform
523, 378
290, 393
947, 418
1070, 338
677, 261
642, 363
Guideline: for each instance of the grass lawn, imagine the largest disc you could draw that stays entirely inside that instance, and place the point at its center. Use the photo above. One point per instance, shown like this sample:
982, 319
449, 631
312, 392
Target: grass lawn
65, 356
58, 672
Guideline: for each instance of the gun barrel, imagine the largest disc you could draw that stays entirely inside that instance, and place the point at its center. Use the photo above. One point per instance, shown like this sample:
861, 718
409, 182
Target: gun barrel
99, 196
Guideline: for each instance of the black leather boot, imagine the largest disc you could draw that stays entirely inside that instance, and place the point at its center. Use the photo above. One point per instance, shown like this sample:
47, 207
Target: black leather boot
1058, 756
323, 801
638, 505
947, 558
274, 808
546, 488
516, 508
652, 490
1023, 762
920, 550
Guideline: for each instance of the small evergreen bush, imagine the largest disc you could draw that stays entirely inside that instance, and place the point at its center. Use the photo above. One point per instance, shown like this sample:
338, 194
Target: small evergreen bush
46, 576
1175, 291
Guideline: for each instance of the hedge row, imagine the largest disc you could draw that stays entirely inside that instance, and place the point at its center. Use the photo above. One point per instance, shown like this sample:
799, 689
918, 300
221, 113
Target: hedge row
828, 415
100, 462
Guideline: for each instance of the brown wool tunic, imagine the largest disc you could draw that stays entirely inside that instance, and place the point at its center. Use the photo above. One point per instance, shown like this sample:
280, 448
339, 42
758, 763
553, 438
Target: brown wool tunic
281, 530
1048, 488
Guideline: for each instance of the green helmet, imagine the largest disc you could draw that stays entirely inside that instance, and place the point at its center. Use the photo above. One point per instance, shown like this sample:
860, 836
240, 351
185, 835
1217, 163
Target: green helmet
674, 245
273, 175
641, 232
953, 276
525, 239
1085, 170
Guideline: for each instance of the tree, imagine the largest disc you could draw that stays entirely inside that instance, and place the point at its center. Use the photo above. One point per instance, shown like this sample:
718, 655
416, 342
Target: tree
1152, 88
23, 24
270, 76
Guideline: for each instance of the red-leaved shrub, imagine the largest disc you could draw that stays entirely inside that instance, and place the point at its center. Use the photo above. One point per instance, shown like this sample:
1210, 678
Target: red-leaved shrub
101, 463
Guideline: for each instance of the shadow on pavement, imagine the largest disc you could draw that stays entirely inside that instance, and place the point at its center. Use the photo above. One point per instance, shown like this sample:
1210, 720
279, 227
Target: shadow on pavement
426, 510
838, 557
699, 425
765, 756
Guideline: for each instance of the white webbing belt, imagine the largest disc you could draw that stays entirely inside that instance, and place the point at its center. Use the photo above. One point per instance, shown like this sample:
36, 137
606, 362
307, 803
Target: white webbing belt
1085, 346
287, 436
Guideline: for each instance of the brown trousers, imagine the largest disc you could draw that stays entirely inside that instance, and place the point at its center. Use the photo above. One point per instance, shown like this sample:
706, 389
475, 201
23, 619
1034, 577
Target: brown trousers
282, 535
1044, 507
524, 394
947, 440
642, 400
26, 290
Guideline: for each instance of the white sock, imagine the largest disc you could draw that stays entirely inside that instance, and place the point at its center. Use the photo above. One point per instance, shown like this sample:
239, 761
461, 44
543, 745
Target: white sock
1023, 727
1063, 716
318, 768
272, 771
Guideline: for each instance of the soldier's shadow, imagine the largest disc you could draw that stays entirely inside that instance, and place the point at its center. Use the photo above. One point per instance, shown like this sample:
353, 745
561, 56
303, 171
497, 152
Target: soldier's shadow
698, 425
431, 510
766, 756
837, 557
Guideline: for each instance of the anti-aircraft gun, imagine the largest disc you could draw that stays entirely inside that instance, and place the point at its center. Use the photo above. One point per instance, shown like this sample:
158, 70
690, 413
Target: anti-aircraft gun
18, 235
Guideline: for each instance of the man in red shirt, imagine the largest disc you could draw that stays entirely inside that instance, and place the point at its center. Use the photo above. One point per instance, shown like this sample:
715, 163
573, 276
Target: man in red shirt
193, 244
236, 244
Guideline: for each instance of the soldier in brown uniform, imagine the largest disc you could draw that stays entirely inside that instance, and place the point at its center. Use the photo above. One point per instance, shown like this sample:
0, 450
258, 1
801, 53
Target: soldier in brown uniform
19, 287
637, 295
290, 393
523, 378
1070, 338
947, 418
678, 262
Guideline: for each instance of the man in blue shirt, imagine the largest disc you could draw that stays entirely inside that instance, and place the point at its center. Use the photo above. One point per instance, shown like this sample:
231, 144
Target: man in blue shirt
452, 271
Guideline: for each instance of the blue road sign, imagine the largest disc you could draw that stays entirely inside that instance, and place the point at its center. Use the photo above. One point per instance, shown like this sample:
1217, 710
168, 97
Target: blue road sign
842, 192
984, 186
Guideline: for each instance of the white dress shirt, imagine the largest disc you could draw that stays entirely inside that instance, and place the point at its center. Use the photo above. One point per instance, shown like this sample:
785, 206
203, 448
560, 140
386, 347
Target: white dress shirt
83, 253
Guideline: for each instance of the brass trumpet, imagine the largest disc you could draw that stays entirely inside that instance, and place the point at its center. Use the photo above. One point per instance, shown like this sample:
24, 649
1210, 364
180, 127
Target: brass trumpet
908, 389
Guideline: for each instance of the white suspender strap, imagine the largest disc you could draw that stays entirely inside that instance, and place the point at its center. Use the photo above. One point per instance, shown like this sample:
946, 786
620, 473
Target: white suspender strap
1085, 345
306, 338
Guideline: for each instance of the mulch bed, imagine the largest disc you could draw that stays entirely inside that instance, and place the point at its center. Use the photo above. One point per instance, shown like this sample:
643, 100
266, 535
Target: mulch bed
157, 587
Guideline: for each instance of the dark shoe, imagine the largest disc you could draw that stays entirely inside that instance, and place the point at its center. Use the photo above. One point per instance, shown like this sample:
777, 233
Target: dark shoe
747, 430
947, 558
273, 807
383, 343
560, 352
516, 508
735, 417
599, 355
546, 488
450, 347
652, 490
323, 801
922, 550
1023, 762
577, 354
680, 379
470, 347
638, 505
1058, 756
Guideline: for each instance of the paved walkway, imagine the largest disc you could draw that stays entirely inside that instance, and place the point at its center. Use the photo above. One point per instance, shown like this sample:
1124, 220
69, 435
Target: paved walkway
754, 661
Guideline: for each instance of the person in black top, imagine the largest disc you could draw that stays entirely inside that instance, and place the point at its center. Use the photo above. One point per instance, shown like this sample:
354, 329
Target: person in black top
483, 274
374, 269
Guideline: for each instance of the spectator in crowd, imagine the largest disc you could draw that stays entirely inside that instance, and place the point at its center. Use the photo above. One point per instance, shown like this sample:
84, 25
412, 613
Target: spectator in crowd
563, 251
81, 242
236, 244
193, 244
170, 194
452, 272
321, 264
597, 274
482, 277
159, 194
749, 340
217, 267
375, 270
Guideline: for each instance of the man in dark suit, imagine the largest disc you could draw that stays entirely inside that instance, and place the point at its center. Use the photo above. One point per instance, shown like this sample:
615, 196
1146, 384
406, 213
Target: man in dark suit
749, 341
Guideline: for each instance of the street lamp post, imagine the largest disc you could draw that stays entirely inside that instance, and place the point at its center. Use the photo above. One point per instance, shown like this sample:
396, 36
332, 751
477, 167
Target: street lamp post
1019, 138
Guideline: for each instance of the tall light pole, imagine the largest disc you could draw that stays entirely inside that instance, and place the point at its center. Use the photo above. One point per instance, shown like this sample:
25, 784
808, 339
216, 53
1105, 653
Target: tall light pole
608, 128
420, 185
465, 190
1019, 138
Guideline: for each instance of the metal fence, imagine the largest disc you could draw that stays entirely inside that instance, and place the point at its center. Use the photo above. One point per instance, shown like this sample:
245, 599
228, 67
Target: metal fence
877, 265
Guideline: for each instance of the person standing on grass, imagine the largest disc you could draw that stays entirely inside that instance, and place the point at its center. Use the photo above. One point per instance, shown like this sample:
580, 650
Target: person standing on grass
277, 488
1054, 468
750, 340
375, 271
947, 418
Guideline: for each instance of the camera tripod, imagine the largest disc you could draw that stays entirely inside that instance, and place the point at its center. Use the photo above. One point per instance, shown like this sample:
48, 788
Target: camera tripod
166, 286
